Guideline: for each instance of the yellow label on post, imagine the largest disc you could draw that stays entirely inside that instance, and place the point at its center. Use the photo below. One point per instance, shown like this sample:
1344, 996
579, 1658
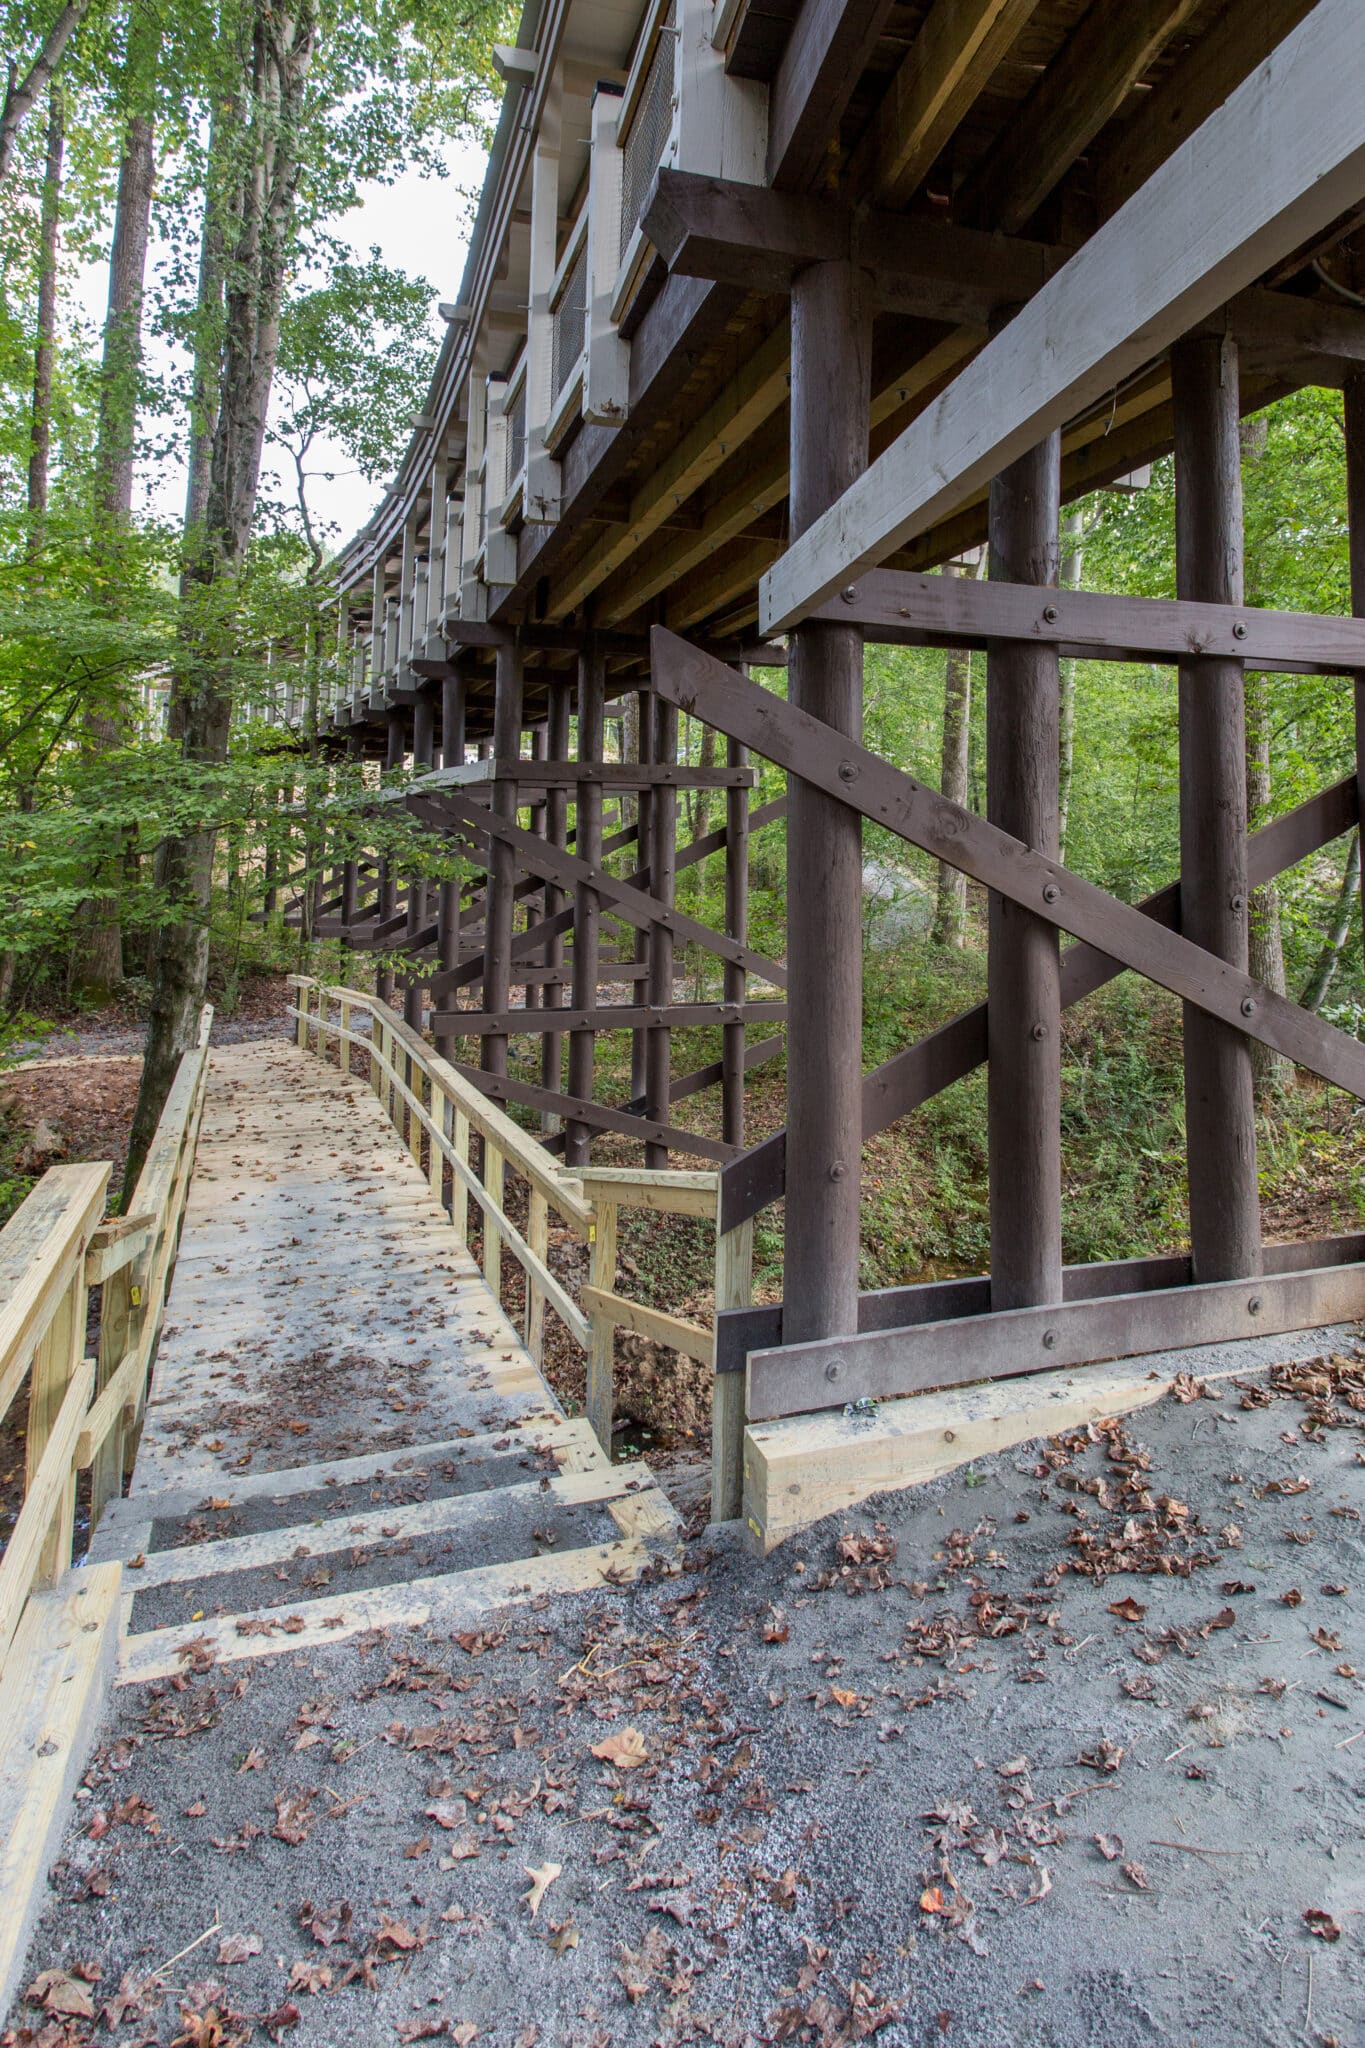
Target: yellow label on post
135, 1296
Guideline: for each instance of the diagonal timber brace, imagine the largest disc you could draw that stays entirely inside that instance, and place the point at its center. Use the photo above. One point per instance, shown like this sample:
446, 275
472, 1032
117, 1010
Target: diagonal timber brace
934, 1062
556, 865
827, 760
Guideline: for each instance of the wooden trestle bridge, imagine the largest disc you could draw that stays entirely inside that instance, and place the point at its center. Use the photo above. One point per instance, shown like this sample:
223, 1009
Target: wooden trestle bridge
771, 309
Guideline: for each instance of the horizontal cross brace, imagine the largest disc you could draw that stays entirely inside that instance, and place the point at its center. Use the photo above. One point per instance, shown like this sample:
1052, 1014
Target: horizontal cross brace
896, 607
823, 757
882, 1365
613, 1017
742, 1330
506, 1088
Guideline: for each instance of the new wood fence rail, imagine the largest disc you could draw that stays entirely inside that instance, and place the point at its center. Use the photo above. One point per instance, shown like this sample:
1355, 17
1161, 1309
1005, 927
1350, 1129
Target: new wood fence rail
425, 1096
86, 1412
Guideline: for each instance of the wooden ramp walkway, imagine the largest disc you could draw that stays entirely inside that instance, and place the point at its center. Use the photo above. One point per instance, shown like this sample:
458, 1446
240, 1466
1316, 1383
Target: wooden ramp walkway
344, 1430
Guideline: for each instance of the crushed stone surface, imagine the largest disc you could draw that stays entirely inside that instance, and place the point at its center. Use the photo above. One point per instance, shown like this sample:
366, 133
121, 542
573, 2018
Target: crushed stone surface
1064, 1749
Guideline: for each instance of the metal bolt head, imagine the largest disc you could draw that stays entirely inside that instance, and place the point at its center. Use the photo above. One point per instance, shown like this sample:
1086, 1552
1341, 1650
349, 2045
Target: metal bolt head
1254, 1305
1038, 1033
1050, 892
1239, 631
1049, 1340
1248, 1006
834, 1370
1050, 614
848, 771
849, 592
838, 1170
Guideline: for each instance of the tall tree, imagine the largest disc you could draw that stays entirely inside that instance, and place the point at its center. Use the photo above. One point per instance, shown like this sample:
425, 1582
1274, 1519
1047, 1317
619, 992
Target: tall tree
274, 49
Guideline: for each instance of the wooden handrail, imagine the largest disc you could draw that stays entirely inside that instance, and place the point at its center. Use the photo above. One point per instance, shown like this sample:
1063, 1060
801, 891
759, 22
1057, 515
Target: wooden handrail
82, 1411
404, 1069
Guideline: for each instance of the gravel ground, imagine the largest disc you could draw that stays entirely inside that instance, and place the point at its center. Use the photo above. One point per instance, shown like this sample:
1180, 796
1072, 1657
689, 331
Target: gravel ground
1064, 1749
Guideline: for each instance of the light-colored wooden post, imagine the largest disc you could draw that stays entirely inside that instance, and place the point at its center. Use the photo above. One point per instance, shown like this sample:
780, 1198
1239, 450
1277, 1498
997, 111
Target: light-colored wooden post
117, 1322
734, 1289
302, 1036
494, 1175
415, 1079
322, 1024
602, 1357
344, 1041
459, 1193
376, 1049
55, 1359
436, 1161
538, 1238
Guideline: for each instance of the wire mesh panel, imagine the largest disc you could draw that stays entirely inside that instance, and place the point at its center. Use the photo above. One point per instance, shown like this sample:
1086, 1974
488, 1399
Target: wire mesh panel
569, 323
516, 437
648, 134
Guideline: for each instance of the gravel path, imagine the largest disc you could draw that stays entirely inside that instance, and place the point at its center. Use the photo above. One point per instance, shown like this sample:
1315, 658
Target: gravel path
1067, 1749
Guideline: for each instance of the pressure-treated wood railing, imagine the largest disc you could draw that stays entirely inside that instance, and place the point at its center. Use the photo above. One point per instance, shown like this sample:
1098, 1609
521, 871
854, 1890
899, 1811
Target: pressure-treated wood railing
86, 1412
425, 1097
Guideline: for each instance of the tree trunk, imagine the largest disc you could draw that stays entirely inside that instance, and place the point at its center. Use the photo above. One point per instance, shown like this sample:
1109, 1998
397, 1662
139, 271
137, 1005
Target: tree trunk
950, 919
98, 963
259, 213
1329, 959
22, 95
40, 437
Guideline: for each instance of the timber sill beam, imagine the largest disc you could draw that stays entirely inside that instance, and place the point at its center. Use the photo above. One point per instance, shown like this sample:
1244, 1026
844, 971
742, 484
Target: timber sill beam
948, 611
825, 758
1276, 164
797, 1379
744, 235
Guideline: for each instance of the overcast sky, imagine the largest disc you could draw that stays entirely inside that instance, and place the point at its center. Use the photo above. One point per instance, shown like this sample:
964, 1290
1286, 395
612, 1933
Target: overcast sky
420, 225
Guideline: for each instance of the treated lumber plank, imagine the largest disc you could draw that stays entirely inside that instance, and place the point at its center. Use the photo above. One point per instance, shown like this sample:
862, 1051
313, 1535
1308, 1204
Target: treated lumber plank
445, 1599
678, 1335
1278, 162
797, 1471
826, 52
40, 1249
196, 1561
52, 1685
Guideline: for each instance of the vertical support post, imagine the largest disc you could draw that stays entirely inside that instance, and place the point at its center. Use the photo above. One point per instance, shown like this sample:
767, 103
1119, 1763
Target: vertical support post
587, 914
494, 1179
116, 1333
344, 1039
557, 833
734, 1289
830, 402
533, 996
1024, 1075
737, 927
601, 1364
538, 1238
498, 895
423, 754
458, 1129
301, 1025
1353, 405
663, 867
448, 901
644, 939
55, 1359
1220, 1113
